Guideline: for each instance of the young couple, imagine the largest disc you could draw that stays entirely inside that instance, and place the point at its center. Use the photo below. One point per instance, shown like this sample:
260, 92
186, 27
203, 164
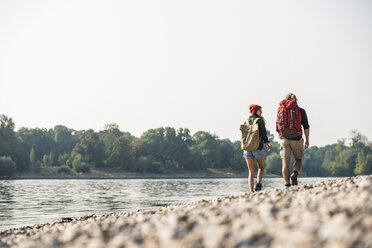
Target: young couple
289, 122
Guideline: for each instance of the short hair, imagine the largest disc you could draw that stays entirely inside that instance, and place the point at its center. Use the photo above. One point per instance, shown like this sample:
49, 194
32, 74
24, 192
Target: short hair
291, 96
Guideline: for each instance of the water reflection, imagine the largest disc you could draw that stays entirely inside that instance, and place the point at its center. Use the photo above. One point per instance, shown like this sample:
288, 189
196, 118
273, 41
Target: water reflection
6, 201
5, 191
27, 202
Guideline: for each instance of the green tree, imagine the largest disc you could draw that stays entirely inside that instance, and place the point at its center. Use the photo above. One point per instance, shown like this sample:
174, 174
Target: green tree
273, 164
154, 144
32, 157
149, 164
76, 160
82, 168
7, 166
109, 135
340, 159
37, 167
90, 148
51, 158
358, 140
168, 146
179, 143
206, 144
363, 163
163, 149
10, 145
38, 138
313, 160
63, 158
47, 160
64, 140
225, 153
238, 162
122, 154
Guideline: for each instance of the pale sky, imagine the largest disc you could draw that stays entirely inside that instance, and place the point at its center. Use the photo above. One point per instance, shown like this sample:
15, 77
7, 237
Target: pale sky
196, 64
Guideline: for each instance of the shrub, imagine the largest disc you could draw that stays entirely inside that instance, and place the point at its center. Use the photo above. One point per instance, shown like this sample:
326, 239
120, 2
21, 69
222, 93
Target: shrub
156, 167
148, 164
63, 158
37, 166
47, 161
7, 166
64, 170
75, 160
82, 167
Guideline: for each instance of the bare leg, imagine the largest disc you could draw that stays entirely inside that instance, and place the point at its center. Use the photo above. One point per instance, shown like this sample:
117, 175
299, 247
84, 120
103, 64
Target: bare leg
285, 168
250, 164
260, 162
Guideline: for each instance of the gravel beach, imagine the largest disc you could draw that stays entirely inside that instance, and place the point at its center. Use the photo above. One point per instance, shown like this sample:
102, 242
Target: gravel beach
332, 213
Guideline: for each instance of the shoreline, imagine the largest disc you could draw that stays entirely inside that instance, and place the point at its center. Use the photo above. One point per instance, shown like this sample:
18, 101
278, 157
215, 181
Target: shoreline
90, 176
331, 213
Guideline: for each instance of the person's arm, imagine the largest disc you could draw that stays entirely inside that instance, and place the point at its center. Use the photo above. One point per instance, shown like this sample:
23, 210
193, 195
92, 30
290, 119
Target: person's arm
268, 146
305, 124
263, 134
307, 134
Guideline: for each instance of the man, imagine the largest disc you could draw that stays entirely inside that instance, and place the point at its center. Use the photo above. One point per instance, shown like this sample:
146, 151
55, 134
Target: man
289, 122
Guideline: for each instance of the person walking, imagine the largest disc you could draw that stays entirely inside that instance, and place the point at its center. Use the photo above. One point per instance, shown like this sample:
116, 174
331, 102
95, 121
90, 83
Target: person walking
254, 121
289, 122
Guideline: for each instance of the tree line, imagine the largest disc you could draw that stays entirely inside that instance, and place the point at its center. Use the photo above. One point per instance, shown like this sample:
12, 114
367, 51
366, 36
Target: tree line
159, 150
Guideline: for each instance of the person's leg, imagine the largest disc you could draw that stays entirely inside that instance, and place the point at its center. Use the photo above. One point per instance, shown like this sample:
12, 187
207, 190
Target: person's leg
250, 164
297, 165
260, 163
298, 153
285, 169
296, 168
285, 154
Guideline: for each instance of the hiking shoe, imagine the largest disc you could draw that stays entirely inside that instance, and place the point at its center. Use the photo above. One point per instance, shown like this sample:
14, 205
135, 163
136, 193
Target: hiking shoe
258, 187
287, 185
294, 178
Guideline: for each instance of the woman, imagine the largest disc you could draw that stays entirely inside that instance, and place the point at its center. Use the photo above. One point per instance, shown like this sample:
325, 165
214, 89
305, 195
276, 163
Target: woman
259, 154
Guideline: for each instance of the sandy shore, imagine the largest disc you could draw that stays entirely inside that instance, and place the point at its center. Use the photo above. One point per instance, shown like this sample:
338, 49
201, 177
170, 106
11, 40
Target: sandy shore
333, 213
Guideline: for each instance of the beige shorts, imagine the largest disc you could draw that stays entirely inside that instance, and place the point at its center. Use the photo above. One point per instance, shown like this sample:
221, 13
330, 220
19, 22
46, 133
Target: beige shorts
287, 147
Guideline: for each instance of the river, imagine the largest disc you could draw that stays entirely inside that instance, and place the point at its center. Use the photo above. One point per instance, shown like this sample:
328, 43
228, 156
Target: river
29, 202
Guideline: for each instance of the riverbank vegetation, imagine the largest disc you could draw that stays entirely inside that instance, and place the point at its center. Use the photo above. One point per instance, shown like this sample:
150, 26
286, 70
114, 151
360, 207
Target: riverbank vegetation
160, 150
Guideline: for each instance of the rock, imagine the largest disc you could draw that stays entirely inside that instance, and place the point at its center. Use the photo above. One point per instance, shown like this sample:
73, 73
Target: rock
65, 220
333, 213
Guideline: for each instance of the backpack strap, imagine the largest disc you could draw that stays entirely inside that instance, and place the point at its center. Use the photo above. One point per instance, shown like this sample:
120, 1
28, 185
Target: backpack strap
256, 120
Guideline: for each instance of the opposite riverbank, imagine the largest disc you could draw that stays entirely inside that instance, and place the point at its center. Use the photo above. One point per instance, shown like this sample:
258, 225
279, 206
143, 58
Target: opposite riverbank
332, 213
117, 174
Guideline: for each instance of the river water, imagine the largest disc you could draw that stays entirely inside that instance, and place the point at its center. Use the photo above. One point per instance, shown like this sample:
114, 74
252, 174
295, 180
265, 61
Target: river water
29, 202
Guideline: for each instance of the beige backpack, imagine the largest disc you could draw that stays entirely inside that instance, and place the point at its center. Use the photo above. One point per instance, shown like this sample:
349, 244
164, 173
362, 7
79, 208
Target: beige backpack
250, 140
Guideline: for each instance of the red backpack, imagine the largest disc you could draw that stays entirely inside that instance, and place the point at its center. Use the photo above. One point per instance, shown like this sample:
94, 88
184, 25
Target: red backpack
288, 119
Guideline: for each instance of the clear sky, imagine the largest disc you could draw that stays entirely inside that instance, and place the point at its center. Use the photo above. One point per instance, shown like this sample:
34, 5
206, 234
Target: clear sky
197, 64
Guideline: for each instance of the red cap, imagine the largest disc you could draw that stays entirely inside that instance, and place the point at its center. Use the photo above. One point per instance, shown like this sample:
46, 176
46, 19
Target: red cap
254, 108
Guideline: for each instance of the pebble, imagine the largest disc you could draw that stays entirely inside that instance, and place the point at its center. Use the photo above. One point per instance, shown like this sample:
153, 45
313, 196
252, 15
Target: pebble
333, 213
